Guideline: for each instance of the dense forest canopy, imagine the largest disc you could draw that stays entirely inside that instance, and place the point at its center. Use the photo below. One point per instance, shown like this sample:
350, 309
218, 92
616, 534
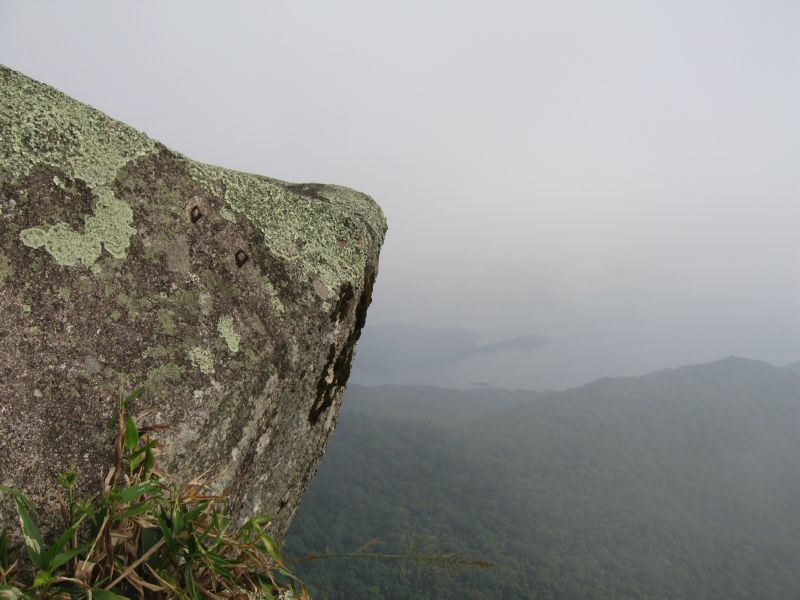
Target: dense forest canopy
679, 484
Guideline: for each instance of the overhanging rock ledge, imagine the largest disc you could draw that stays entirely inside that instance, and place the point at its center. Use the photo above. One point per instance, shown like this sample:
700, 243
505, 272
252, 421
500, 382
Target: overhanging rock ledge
234, 300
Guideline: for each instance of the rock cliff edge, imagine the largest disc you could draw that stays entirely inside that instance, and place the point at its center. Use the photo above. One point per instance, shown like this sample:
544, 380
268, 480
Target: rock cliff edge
234, 300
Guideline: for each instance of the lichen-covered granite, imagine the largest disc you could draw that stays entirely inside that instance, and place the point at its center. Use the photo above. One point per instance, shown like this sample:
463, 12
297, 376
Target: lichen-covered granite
234, 300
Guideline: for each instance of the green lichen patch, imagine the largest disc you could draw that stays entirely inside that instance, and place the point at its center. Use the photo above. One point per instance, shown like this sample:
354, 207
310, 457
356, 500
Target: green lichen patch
229, 333
205, 303
158, 376
43, 127
187, 302
227, 215
257, 324
91, 364
202, 359
34, 237
272, 293
109, 227
6, 268
156, 352
60, 183
124, 300
177, 256
85, 285
322, 236
166, 322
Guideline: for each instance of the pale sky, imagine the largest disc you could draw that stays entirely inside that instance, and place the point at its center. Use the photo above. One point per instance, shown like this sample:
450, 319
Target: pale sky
620, 176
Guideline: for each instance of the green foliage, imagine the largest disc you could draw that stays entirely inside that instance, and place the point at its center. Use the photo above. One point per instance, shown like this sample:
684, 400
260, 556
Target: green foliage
680, 484
143, 536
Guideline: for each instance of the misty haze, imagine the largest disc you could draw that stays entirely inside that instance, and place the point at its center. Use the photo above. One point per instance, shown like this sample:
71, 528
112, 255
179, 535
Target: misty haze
581, 358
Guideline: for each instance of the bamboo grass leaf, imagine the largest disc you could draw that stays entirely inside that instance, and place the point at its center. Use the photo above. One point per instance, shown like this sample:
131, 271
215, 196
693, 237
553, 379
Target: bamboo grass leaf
134, 510
4, 549
30, 533
63, 558
42, 578
9, 592
62, 541
131, 434
126, 495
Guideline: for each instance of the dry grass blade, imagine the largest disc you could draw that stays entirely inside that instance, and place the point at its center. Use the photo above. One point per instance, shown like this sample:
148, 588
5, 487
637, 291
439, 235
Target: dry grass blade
133, 566
83, 570
97, 539
77, 582
167, 585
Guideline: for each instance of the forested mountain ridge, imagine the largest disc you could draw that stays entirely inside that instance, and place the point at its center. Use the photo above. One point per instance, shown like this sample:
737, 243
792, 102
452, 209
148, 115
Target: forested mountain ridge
684, 483
441, 407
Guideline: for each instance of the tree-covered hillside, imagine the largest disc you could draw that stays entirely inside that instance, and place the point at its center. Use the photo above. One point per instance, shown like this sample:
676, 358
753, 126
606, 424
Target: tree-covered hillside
680, 484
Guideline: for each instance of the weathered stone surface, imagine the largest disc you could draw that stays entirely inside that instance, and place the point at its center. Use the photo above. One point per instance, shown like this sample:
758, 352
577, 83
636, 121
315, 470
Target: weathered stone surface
235, 300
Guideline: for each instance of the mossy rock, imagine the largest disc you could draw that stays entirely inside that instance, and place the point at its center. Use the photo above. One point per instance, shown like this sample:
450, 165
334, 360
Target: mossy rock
235, 300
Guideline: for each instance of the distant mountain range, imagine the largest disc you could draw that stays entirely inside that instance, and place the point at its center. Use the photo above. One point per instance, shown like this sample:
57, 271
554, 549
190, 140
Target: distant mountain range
395, 348
794, 367
684, 483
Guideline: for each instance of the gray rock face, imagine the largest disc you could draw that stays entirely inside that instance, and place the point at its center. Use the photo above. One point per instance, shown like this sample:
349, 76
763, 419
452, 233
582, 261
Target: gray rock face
235, 300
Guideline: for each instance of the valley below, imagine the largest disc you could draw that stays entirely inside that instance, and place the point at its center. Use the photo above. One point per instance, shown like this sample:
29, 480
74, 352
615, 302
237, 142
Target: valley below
684, 483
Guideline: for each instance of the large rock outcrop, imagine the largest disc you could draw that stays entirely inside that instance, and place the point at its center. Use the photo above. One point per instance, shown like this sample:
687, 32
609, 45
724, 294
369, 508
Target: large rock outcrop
235, 300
